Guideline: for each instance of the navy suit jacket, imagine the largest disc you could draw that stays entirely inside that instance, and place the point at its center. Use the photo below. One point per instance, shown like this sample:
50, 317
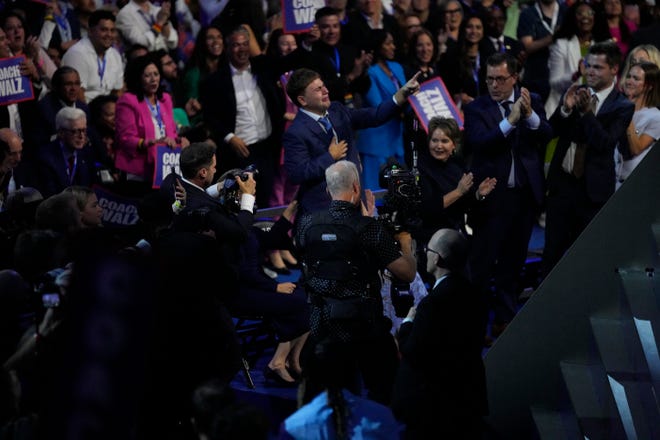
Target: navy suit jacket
52, 169
306, 155
601, 133
492, 151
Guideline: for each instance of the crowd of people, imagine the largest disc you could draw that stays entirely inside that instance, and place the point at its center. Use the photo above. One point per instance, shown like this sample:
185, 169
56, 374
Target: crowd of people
558, 103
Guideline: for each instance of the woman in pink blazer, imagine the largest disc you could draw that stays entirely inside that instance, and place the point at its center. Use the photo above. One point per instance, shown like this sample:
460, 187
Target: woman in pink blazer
144, 119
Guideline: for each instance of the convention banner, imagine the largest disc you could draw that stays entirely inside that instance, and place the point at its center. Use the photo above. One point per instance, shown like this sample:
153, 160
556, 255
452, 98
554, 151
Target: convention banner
433, 99
299, 14
14, 87
118, 211
166, 161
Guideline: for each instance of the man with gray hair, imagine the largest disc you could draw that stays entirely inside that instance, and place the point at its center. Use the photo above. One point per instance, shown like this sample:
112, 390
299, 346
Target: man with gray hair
343, 253
68, 160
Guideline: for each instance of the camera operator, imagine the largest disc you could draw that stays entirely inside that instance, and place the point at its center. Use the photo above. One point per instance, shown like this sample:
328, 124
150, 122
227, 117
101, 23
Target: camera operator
343, 251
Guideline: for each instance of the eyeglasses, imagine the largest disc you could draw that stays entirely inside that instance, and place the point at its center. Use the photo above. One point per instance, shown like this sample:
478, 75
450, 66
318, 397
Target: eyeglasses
441, 261
497, 79
76, 131
452, 11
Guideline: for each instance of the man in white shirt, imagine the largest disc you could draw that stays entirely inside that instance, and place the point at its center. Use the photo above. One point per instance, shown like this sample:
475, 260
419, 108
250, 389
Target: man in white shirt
243, 110
99, 65
141, 22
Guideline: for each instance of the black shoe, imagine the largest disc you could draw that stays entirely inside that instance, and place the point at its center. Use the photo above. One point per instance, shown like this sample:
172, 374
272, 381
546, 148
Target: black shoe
275, 379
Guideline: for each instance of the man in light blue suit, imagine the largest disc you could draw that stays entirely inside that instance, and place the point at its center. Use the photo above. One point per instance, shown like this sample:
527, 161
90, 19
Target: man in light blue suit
322, 133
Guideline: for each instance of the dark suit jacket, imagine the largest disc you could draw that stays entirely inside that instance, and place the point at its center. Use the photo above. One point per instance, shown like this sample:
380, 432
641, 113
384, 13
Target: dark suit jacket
356, 31
218, 99
601, 133
306, 145
512, 47
492, 151
28, 113
48, 108
441, 372
229, 228
52, 169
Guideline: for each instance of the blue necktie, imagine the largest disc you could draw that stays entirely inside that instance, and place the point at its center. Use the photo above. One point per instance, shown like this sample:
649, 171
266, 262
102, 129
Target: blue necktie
326, 124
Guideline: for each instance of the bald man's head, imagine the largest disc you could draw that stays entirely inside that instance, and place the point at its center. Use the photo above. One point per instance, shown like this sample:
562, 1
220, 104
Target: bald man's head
11, 148
452, 248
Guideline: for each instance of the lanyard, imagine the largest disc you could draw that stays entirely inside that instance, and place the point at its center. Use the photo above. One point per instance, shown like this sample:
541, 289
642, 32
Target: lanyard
148, 18
475, 70
155, 112
101, 67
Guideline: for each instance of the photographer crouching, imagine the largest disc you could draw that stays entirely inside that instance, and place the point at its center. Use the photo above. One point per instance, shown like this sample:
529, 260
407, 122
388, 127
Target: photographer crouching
343, 252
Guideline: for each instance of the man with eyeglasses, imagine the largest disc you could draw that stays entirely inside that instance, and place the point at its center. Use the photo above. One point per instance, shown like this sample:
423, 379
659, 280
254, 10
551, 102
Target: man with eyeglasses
68, 160
445, 396
506, 131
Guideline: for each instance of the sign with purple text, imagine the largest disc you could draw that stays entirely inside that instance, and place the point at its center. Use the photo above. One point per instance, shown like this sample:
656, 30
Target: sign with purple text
167, 160
14, 87
299, 14
118, 211
433, 99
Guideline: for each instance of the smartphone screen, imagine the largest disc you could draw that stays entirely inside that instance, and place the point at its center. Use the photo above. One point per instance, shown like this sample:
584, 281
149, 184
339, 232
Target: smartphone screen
50, 300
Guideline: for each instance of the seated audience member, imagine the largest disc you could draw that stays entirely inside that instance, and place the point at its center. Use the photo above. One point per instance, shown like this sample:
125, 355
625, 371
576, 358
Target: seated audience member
440, 386
65, 92
144, 119
283, 304
642, 87
59, 213
99, 65
68, 160
336, 412
11, 148
218, 414
91, 213
101, 130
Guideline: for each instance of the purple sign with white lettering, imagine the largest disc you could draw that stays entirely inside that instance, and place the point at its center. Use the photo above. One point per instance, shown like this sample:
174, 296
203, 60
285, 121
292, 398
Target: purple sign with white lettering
433, 99
14, 87
299, 14
118, 211
166, 161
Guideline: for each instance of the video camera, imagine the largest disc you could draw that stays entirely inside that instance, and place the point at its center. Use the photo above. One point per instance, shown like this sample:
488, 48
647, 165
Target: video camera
401, 203
230, 192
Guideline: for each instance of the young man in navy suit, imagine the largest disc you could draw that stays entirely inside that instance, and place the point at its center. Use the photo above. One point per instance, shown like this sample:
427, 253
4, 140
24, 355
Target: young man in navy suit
590, 122
506, 131
322, 133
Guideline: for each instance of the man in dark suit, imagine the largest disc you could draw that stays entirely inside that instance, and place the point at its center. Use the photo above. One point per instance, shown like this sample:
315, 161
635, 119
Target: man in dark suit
590, 123
369, 15
506, 131
65, 92
243, 110
68, 160
322, 133
495, 20
445, 395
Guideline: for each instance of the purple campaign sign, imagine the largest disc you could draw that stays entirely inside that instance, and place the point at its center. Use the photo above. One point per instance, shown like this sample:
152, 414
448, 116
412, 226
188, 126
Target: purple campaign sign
118, 211
167, 160
14, 87
299, 14
433, 99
